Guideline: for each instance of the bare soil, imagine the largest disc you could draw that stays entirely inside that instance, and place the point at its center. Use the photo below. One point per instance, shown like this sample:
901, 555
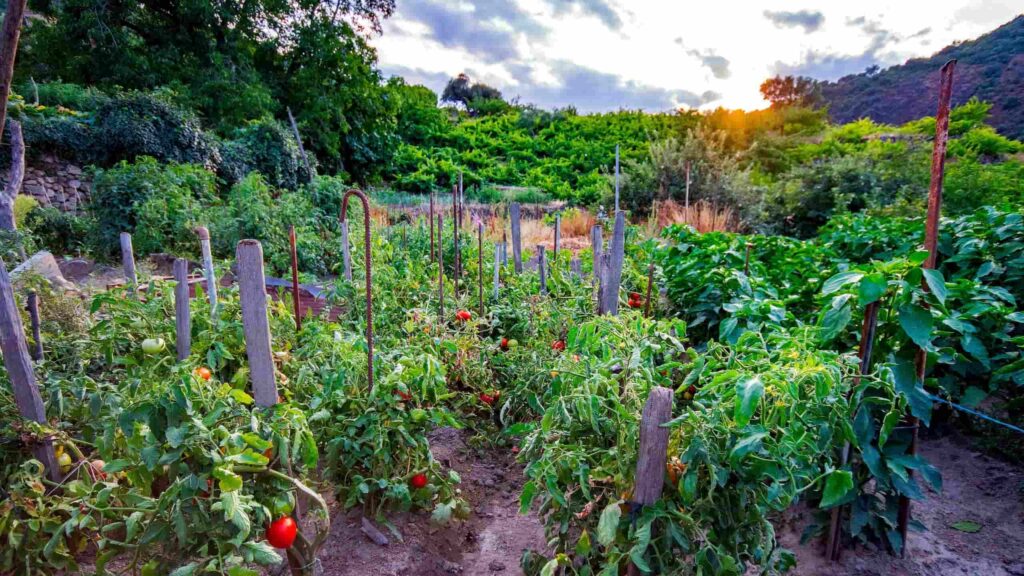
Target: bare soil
491, 541
976, 488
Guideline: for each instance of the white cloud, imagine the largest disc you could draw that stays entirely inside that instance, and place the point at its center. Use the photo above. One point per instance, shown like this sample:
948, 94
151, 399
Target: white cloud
638, 53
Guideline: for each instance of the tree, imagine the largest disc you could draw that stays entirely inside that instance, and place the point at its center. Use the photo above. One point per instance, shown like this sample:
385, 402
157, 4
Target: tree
234, 61
478, 98
792, 91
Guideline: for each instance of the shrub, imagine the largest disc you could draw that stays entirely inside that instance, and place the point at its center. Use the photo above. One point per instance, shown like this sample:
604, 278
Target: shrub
267, 147
58, 231
121, 203
140, 124
73, 96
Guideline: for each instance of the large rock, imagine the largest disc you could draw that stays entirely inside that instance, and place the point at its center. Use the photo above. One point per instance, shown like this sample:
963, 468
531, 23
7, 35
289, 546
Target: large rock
44, 264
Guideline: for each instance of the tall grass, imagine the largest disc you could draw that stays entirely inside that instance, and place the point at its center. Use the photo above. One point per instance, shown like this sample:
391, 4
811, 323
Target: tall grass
703, 216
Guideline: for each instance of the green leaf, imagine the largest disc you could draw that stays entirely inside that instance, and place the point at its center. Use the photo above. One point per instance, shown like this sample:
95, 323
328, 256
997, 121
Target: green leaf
839, 280
748, 395
836, 318
583, 544
907, 385
526, 497
872, 287
968, 526
262, 553
186, 570
241, 397
917, 323
973, 396
837, 485
608, 526
936, 284
228, 480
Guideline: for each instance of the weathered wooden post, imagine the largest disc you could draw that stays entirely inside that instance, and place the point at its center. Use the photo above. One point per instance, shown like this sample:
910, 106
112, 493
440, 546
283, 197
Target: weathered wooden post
128, 262
346, 253
517, 253
19, 370
931, 240
440, 277
480, 264
295, 278
208, 271
182, 313
576, 268
650, 283
252, 295
616, 177
32, 306
558, 236
617, 251
504, 246
298, 140
540, 269
653, 452
369, 278
596, 244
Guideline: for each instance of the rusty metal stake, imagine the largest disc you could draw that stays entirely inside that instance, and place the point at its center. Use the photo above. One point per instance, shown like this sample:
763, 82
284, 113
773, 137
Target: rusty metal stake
931, 241
867, 344
295, 278
369, 278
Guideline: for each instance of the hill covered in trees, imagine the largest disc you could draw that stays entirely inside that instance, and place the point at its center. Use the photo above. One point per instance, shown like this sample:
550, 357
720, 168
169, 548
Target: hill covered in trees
990, 68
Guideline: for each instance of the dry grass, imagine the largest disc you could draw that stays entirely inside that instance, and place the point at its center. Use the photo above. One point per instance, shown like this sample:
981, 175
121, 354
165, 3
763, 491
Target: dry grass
702, 216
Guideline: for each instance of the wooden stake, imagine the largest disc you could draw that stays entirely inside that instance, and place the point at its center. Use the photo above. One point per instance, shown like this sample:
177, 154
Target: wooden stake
540, 269
182, 314
19, 370
298, 140
558, 236
517, 253
440, 277
128, 262
653, 452
617, 251
208, 270
252, 295
32, 306
455, 232
497, 264
931, 240
596, 243
576, 267
295, 279
650, 283
616, 177
431, 218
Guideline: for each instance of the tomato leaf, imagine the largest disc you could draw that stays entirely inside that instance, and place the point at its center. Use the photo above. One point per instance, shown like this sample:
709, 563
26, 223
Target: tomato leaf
608, 526
748, 395
837, 485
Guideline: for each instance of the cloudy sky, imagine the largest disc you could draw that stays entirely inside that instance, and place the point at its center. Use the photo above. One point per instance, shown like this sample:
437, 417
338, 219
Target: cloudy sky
660, 54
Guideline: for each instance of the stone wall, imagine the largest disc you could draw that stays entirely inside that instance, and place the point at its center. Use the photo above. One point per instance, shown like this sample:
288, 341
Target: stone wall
55, 182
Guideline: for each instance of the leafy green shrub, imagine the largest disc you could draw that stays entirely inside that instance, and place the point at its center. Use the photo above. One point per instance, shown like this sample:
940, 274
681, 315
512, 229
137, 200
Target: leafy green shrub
156, 202
264, 146
58, 231
68, 137
139, 124
73, 96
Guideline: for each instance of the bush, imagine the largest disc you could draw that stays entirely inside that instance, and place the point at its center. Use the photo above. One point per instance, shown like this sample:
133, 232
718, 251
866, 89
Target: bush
157, 202
140, 124
267, 147
58, 231
73, 96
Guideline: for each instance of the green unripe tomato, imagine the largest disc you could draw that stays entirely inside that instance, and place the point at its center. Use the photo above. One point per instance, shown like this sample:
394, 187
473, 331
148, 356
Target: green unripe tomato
283, 504
153, 345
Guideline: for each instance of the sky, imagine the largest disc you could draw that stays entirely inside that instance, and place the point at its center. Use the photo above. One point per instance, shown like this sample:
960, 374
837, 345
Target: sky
658, 55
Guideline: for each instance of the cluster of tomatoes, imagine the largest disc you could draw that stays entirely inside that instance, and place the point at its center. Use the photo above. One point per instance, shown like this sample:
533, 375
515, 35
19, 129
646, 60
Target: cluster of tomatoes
635, 301
463, 316
558, 345
490, 399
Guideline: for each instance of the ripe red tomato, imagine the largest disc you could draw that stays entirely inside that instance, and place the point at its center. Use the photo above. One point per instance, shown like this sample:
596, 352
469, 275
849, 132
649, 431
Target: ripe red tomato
486, 398
463, 315
504, 344
281, 532
634, 295
558, 345
204, 373
635, 304
418, 481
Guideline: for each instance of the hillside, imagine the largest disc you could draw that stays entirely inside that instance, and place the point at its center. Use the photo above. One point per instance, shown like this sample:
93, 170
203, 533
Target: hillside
990, 68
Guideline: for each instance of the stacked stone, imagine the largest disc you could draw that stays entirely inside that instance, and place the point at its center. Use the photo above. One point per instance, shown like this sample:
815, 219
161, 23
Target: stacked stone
55, 182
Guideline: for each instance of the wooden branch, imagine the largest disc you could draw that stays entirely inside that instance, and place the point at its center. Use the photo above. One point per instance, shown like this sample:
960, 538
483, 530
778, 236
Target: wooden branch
32, 306
540, 269
252, 293
298, 140
19, 370
617, 252
8, 52
653, 452
14, 178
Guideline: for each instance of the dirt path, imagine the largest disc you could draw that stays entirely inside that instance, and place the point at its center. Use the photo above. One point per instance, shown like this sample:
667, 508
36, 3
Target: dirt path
490, 542
976, 488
